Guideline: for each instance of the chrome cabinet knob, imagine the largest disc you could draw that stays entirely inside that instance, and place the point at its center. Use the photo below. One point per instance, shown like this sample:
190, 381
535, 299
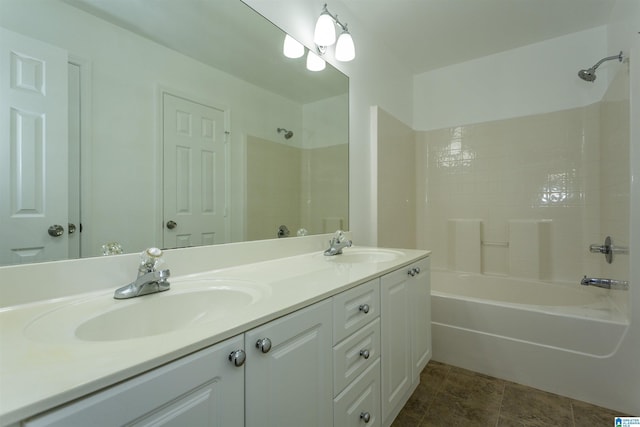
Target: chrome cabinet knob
238, 357
411, 272
364, 308
417, 270
71, 228
171, 224
55, 230
264, 344
364, 353
365, 416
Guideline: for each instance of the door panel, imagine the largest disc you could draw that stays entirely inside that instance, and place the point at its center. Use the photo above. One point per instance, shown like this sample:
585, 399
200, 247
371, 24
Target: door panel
33, 149
195, 161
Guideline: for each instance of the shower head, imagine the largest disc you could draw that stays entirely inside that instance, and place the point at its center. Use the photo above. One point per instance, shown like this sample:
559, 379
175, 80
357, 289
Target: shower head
287, 133
589, 74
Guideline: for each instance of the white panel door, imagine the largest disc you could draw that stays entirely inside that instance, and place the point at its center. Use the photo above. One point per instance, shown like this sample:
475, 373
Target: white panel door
33, 149
195, 159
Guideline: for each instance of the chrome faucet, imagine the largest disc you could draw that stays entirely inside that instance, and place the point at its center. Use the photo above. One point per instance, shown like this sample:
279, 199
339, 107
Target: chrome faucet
337, 243
152, 276
621, 285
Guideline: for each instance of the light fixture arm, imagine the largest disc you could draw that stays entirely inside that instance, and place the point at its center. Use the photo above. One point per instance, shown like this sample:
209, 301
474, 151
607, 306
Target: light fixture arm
342, 26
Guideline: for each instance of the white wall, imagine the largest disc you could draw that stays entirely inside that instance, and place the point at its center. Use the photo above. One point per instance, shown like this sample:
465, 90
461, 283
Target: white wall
376, 78
538, 78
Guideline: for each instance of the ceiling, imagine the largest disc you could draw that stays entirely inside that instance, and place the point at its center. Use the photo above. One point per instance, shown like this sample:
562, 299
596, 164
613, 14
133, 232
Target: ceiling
430, 34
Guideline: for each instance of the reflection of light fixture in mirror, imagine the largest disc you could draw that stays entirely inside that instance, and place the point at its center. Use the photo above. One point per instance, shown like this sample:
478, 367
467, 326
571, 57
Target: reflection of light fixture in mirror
314, 62
292, 48
325, 35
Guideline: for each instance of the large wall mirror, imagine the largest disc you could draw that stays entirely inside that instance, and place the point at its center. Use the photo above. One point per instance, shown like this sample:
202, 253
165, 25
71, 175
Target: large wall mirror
133, 123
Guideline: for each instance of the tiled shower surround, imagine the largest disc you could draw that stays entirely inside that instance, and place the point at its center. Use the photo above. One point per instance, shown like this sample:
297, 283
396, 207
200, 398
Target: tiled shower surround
296, 187
570, 167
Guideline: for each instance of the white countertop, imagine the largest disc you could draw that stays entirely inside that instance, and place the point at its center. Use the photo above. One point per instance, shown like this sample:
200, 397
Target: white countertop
40, 372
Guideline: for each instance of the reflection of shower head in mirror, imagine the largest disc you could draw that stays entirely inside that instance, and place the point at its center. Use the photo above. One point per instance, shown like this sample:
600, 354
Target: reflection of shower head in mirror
589, 74
287, 133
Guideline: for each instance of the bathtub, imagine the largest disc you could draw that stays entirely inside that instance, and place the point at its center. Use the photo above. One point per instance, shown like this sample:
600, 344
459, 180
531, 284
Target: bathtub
554, 337
563, 317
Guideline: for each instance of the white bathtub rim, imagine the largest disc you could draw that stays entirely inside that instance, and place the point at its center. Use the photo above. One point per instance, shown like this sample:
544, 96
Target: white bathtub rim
576, 312
551, 347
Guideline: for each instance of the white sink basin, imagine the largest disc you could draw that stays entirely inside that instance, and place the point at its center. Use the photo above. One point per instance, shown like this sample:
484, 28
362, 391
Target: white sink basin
356, 256
187, 304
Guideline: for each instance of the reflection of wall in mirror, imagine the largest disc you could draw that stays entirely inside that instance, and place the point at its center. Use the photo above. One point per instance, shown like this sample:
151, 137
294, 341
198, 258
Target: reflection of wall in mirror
121, 177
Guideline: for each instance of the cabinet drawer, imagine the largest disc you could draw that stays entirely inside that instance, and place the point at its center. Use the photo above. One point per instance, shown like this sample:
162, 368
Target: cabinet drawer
349, 357
360, 398
355, 308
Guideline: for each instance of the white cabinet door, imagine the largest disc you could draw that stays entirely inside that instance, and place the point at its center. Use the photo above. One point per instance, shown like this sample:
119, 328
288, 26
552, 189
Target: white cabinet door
289, 379
203, 389
396, 341
406, 333
420, 297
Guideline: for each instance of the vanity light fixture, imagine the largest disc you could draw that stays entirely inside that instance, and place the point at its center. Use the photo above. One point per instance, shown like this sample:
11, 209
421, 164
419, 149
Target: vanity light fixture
325, 36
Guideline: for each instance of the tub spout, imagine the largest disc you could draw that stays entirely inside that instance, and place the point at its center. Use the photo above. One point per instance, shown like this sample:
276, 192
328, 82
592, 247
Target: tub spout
621, 285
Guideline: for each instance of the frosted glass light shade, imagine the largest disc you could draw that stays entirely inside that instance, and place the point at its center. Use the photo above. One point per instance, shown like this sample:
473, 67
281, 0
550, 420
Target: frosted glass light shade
325, 32
345, 49
292, 48
314, 62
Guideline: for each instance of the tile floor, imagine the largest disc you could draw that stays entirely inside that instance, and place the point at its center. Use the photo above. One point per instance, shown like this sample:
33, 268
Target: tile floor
451, 396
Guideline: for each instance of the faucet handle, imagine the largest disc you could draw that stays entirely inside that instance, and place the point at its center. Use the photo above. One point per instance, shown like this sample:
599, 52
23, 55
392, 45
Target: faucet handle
151, 260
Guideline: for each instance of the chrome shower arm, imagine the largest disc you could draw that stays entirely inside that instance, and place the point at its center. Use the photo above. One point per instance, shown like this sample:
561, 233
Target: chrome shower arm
619, 57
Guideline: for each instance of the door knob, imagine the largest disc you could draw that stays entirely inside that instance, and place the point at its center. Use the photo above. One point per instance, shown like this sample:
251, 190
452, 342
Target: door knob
264, 344
238, 357
56, 230
71, 228
171, 224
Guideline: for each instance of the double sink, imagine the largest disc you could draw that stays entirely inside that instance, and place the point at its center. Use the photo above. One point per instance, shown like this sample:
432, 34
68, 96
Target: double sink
190, 303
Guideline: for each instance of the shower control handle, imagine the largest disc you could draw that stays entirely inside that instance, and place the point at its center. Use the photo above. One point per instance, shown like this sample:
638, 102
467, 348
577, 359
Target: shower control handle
608, 249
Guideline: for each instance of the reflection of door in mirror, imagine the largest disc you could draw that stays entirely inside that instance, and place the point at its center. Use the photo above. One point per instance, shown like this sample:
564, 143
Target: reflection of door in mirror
195, 177
33, 198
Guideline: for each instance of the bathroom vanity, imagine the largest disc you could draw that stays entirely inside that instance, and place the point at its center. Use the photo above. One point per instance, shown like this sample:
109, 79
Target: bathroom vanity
304, 339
